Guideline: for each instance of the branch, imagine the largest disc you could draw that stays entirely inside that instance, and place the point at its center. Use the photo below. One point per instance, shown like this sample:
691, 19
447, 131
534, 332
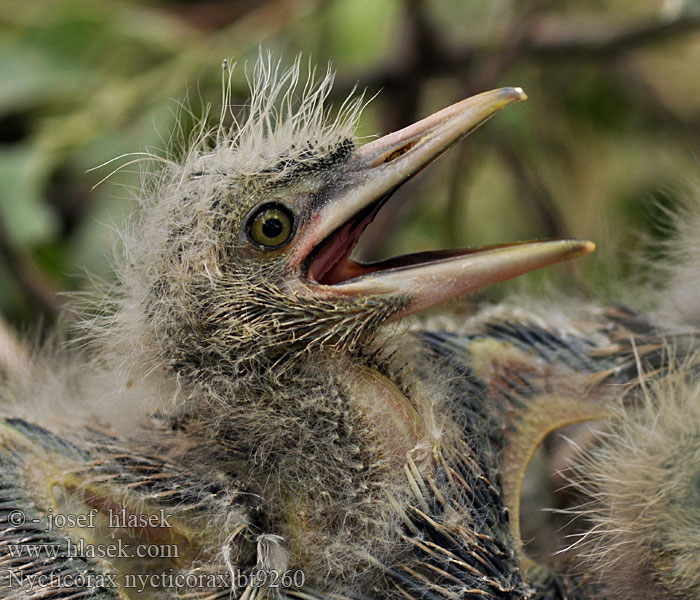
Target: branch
457, 201
28, 276
536, 44
591, 43
534, 192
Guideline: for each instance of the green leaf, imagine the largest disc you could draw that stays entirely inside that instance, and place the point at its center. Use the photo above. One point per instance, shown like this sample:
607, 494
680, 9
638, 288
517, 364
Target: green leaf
24, 172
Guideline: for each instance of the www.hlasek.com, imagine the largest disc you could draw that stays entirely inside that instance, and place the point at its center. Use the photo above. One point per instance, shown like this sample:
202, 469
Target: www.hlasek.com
170, 579
80, 549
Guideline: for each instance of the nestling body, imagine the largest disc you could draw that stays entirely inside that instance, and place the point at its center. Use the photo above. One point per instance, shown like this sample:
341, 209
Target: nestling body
263, 403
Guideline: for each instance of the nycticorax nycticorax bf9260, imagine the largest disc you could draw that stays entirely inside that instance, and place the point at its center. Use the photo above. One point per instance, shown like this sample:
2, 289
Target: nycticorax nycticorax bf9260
245, 409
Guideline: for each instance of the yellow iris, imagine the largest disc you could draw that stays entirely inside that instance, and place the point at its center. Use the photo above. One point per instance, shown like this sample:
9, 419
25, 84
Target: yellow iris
271, 227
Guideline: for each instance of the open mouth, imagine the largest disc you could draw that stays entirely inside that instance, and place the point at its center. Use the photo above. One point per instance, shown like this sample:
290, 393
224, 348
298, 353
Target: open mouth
330, 261
374, 172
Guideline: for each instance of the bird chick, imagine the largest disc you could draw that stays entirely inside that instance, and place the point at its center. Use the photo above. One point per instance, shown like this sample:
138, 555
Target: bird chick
641, 482
639, 479
537, 369
270, 411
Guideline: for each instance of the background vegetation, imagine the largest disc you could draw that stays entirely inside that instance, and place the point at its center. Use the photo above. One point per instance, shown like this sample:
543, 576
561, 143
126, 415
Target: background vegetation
609, 135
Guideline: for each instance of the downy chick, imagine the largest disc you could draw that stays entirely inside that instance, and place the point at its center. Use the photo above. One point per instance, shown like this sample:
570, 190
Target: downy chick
246, 401
640, 479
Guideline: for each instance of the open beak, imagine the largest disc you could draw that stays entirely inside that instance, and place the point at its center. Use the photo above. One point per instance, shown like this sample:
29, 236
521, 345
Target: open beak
424, 279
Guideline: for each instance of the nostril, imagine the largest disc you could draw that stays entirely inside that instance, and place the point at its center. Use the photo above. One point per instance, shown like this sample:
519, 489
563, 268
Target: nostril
399, 151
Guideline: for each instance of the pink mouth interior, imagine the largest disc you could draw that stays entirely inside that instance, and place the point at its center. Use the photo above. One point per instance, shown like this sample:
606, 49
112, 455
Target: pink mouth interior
331, 262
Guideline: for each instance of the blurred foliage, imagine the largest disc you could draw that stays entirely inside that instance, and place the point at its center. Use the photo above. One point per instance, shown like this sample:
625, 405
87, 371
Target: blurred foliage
612, 125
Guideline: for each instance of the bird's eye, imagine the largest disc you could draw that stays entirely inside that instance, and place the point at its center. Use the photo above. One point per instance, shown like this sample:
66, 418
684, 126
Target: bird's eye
271, 226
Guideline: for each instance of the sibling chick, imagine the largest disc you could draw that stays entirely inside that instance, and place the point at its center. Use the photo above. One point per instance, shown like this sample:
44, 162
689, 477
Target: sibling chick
640, 479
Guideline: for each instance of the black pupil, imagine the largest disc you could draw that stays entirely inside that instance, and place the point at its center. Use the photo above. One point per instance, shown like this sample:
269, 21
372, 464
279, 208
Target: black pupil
272, 227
